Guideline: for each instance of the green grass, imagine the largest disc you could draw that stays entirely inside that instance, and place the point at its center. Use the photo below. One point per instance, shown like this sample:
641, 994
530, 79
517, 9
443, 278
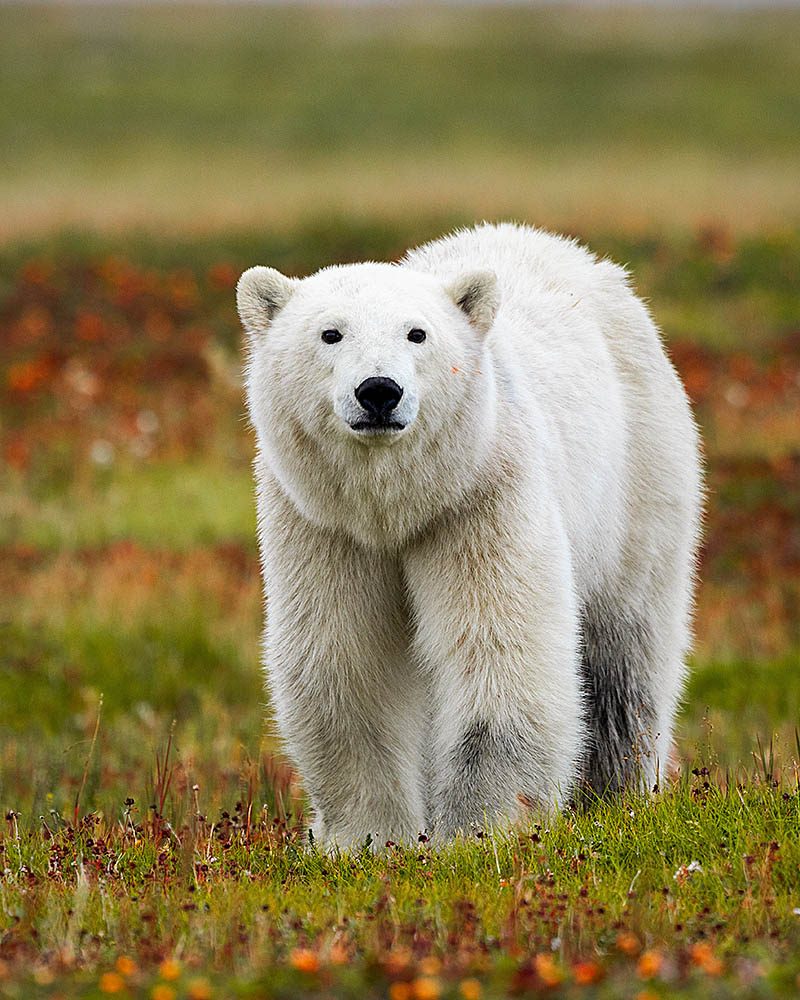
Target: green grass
308, 83
204, 116
180, 505
702, 877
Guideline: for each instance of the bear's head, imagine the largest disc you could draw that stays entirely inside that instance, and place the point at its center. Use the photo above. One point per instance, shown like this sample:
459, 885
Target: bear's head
356, 358
360, 351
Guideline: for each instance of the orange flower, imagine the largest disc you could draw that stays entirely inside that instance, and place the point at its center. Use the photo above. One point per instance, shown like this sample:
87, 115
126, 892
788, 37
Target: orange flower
17, 453
25, 376
126, 966
547, 969
702, 956
700, 952
169, 969
426, 988
162, 992
646, 995
650, 964
430, 966
304, 960
587, 973
36, 272
400, 991
628, 943
222, 276
89, 326
199, 989
396, 962
182, 288
111, 982
34, 323
470, 989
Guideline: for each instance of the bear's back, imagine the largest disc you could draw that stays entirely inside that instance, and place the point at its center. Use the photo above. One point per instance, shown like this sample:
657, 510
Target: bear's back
560, 306
586, 370
528, 262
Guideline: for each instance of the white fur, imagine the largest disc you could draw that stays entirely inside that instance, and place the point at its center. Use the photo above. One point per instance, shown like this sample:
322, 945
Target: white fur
426, 587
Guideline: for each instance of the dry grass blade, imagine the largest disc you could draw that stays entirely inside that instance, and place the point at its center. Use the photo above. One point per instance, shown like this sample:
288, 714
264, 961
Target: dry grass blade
76, 810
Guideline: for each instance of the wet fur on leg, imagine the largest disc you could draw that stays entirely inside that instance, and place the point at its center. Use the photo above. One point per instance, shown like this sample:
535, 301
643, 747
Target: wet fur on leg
616, 655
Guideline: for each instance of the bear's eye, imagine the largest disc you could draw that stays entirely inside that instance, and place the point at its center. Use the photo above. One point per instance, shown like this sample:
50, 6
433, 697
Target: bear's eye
416, 336
331, 336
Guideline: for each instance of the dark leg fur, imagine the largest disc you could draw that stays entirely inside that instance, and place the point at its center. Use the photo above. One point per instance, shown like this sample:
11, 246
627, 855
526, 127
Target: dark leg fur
487, 754
615, 667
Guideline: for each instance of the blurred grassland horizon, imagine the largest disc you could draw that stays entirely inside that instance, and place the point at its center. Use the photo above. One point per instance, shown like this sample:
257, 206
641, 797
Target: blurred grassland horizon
197, 118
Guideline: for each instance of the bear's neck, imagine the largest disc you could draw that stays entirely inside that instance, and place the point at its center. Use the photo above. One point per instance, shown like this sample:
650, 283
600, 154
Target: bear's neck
383, 496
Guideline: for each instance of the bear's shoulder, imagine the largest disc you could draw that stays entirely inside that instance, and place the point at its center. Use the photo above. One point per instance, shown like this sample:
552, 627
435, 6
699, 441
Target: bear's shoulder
519, 254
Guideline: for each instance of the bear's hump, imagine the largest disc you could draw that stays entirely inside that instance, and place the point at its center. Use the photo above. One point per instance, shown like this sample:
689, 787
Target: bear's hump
519, 254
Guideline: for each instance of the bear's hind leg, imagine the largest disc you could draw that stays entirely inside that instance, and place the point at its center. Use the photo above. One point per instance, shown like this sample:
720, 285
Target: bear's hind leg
632, 674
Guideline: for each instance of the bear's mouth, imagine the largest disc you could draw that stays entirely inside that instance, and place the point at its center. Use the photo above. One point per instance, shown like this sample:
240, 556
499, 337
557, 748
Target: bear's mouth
377, 426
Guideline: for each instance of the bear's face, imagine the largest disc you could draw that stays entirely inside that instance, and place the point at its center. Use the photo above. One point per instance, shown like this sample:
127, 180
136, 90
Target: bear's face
366, 353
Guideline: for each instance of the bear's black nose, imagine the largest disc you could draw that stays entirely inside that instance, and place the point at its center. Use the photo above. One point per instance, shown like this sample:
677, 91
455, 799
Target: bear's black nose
379, 395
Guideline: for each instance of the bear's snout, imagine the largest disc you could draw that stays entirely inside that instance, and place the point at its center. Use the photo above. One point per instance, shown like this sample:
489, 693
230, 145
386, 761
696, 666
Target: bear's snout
379, 396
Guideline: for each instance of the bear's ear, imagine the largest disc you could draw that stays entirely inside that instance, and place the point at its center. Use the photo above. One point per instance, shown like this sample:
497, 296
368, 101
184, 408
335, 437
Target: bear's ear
261, 293
476, 294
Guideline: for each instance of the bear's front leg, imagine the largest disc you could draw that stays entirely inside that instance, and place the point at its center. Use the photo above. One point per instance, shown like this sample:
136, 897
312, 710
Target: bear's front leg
347, 700
497, 631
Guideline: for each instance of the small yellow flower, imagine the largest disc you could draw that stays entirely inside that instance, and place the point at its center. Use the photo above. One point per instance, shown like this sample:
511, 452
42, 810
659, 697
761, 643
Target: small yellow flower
547, 969
470, 989
111, 982
199, 989
426, 988
650, 964
628, 943
169, 969
396, 962
43, 976
126, 966
430, 966
304, 960
703, 956
162, 992
587, 972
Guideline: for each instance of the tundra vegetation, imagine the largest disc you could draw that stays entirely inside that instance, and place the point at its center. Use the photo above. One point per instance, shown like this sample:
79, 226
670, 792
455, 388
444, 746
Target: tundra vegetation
150, 834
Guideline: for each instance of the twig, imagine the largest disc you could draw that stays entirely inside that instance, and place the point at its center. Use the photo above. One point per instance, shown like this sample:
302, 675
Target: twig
86, 766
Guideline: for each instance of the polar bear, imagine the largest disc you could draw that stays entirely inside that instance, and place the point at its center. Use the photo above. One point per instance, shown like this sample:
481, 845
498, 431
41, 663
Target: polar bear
479, 490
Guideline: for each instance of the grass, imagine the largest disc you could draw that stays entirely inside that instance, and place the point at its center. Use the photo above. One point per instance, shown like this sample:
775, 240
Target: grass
691, 892
129, 579
203, 117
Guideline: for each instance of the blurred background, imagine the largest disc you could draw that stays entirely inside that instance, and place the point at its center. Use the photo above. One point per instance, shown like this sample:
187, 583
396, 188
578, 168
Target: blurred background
152, 152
